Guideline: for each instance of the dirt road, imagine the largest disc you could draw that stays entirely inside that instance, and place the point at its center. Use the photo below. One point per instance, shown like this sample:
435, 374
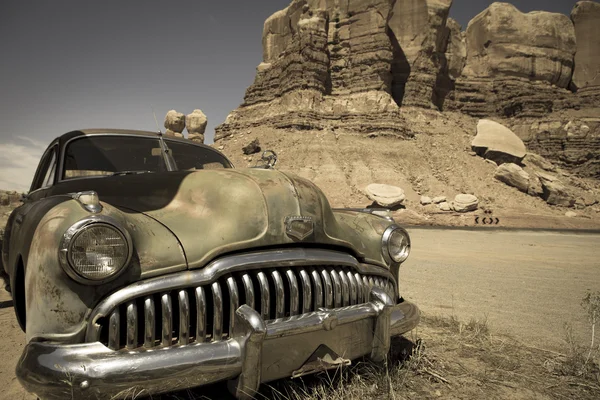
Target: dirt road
526, 283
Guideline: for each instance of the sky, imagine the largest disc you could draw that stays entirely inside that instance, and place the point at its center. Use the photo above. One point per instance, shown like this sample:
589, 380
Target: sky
74, 64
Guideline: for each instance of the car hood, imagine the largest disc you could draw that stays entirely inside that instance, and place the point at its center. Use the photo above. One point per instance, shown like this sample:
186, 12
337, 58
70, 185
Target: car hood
213, 212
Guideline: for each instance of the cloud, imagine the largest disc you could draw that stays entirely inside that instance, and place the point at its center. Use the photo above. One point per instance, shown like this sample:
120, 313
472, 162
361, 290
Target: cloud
19, 158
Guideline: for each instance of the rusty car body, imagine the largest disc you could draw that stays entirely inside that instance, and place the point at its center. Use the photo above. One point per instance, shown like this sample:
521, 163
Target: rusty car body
143, 264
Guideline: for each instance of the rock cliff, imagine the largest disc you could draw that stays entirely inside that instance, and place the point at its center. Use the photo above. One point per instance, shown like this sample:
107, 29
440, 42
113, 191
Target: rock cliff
362, 65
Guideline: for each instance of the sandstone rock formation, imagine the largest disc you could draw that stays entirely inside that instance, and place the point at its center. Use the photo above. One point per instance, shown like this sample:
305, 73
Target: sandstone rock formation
496, 142
456, 51
586, 18
174, 123
385, 195
425, 200
196, 125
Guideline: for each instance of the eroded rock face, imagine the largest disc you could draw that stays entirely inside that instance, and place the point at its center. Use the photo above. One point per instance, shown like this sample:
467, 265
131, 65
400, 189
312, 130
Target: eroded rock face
517, 64
586, 18
456, 51
419, 39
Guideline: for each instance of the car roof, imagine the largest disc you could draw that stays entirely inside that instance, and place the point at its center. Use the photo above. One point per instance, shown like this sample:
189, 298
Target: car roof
126, 132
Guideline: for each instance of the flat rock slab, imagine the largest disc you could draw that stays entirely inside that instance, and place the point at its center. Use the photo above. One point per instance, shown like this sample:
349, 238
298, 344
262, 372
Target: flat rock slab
496, 142
385, 195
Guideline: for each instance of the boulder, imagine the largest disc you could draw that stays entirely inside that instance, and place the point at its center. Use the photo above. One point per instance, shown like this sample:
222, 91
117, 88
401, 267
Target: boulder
555, 193
586, 19
534, 160
570, 214
175, 121
465, 203
535, 187
538, 46
252, 148
496, 142
439, 199
195, 123
385, 195
445, 206
425, 200
513, 175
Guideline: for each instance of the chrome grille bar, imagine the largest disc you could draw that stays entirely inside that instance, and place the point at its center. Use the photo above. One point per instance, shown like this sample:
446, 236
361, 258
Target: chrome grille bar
337, 289
234, 301
294, 292
309, 289
265, 298
149, 322
218, 312
353, 288
327, 289
318, 286
167, 320
114, 330
345, 288
279, 295
132, 325
184, 317
306, 292
248, 290
200, 314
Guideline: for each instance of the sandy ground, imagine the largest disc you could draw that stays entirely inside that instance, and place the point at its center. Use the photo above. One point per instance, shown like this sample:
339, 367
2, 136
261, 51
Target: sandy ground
527, 284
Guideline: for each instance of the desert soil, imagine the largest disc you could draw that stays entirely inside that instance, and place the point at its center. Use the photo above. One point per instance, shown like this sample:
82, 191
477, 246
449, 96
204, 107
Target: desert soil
525, 283
437, 162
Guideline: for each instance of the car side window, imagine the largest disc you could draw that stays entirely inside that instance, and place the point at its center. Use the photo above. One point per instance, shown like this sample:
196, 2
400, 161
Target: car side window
45, 176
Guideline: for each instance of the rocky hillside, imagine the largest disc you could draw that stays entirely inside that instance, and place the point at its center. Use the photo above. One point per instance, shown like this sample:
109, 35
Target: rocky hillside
356, 65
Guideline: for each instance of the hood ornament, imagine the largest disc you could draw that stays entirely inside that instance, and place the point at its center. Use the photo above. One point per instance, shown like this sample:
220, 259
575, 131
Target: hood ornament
298, 227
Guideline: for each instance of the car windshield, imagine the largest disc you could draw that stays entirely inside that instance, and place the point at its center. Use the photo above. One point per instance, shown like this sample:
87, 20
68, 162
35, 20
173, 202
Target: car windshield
110, 155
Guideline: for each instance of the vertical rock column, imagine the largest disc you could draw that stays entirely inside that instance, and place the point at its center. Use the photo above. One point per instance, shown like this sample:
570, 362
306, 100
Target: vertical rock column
586, 77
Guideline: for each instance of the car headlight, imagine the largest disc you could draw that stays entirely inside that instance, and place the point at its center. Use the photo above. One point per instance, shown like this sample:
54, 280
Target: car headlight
94, 251
396, 244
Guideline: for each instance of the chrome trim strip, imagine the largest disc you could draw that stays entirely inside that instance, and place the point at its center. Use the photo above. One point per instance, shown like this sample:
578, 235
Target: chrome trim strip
217, 312
184, 317
248, 290
366, 289
114, 330
279, 295
167, 320
234, 301
132, 325
200, 315
265, 296
149, 322
306, 292
294, 292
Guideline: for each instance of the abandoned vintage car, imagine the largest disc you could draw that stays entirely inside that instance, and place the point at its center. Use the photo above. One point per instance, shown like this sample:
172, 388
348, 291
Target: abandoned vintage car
147, 264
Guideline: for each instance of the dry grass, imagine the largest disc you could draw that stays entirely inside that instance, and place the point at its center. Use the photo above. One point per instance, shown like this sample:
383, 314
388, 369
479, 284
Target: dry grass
443, 358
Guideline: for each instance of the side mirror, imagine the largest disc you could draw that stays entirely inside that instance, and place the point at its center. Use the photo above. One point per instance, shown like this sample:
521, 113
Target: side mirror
270, 158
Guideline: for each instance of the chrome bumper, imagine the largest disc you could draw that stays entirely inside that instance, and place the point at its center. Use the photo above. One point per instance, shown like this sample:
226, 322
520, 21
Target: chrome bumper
257, 352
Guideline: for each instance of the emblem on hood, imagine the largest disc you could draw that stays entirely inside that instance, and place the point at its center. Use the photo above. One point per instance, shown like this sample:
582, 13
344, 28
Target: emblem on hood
298, 227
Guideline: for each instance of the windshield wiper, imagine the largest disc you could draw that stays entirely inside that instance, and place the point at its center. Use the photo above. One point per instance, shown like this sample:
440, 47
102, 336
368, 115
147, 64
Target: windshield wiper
120, 173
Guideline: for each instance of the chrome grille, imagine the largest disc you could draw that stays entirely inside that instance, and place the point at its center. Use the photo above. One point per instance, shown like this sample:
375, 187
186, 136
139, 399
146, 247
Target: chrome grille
206, 313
